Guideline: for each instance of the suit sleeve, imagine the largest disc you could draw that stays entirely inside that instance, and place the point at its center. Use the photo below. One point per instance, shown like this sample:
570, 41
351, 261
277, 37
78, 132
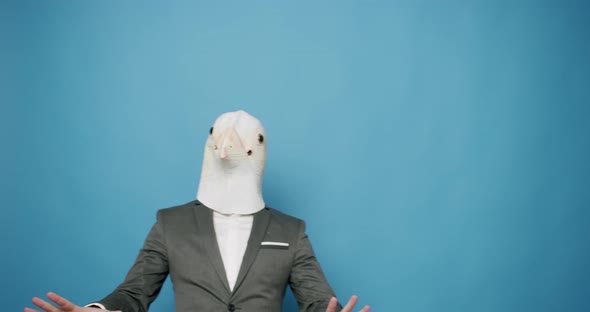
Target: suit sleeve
307, 280
145, 278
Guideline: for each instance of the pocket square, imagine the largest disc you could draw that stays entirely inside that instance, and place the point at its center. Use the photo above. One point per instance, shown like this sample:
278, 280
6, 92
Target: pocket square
274, 245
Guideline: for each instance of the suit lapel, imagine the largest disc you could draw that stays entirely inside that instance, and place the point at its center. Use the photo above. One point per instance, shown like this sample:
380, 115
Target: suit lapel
259, 226
206, 232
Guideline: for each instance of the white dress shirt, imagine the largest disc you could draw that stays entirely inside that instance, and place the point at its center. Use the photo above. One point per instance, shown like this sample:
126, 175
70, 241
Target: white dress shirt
233, 232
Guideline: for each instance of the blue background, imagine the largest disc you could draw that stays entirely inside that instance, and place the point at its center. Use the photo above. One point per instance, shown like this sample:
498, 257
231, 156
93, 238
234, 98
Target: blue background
439, 152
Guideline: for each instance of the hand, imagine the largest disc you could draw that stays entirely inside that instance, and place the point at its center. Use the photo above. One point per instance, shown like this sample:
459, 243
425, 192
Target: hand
63, 305
348, 307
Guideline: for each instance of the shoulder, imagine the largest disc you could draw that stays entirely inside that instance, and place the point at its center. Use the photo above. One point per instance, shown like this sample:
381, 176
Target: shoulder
285, 221
281, 216
179, 212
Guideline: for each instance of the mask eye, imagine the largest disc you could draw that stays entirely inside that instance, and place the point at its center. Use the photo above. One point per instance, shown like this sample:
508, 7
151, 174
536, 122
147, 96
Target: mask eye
260, 138
211, 130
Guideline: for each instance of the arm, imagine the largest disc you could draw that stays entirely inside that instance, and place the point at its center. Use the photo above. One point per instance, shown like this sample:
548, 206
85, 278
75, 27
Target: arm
309, 285
140, 288
307, 280
144, 280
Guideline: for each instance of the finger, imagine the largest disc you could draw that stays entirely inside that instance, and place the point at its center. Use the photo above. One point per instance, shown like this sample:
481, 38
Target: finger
30, 310
366, 309
350, 305
44, 305
332, 305
62, 302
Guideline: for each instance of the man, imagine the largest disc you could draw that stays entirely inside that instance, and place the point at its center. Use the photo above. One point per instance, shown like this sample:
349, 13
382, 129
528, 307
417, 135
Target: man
225, 251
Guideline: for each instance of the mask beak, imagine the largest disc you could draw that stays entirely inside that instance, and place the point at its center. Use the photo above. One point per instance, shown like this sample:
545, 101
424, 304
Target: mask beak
230, 144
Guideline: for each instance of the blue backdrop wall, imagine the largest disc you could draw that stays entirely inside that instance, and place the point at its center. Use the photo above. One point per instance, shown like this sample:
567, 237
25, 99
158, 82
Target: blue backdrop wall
438, 152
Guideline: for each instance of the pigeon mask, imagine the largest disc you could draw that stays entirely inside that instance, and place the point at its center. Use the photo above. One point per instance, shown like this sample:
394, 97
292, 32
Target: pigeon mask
233, 165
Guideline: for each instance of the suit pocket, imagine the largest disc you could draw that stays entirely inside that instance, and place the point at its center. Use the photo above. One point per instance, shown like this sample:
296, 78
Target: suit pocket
274, 245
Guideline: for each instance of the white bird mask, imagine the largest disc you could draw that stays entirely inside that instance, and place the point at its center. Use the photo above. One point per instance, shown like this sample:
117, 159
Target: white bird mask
233, 165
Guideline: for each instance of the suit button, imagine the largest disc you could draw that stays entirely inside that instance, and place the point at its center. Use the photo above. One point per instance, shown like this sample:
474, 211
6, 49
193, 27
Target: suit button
231, 307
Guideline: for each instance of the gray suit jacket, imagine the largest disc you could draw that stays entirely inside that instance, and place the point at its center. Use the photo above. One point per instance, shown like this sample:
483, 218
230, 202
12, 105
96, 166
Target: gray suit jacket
182, 243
